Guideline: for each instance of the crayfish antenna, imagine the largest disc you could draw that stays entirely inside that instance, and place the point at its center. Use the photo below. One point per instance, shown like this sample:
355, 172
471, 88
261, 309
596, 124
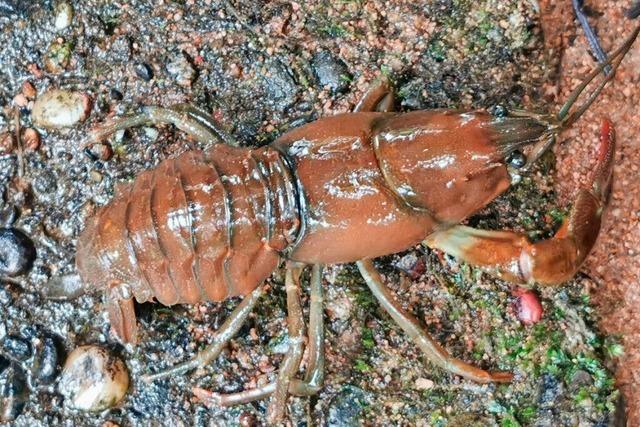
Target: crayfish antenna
565, 117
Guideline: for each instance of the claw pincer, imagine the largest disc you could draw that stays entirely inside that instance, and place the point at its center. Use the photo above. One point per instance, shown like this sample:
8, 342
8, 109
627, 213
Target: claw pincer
513, 257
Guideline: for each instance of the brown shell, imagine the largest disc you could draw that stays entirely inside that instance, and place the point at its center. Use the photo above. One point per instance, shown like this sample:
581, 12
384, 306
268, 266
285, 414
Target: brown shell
201, 226
214, 224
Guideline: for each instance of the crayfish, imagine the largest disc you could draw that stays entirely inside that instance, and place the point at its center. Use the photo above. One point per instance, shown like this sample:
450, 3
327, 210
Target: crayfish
213, 224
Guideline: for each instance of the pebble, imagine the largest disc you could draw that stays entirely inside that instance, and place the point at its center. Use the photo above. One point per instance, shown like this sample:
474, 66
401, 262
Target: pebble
346, 406
45, 364
181, 70
143, 71
29, 90
8, 215
63, 15
528, 307
45, 183
16, 348
5, 296
116, 95
99, 151
13, 392
17, 252
424, 384
61, 109
20, 100
93, 379
64, 287
58, 56
30, 139
6, 142
331, 72
279, 85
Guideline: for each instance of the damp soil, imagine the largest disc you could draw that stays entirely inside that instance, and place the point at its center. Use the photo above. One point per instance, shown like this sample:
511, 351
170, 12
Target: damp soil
260, 69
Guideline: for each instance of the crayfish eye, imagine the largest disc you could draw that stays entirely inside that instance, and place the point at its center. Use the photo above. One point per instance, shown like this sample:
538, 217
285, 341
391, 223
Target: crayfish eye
499, 111
517, 159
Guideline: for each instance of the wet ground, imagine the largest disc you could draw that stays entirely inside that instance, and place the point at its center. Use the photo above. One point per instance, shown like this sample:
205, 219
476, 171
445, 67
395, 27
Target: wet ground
261, 69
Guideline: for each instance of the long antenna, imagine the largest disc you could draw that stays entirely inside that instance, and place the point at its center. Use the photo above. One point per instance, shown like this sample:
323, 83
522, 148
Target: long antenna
564, 116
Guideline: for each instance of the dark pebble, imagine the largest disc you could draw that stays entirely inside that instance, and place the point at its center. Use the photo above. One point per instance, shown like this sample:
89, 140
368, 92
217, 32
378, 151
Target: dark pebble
13, 393
346, 407
16, 348
45, 364
5, 295
143, 71
279, 85
45, 182
550, 391
412, 95
17, 252
331, 71
99, 151
116, 95
8, 215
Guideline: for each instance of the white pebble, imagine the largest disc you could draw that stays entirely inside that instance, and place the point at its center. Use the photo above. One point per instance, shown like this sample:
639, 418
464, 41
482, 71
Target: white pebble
64, 15
61, 109
424, 384
93, 379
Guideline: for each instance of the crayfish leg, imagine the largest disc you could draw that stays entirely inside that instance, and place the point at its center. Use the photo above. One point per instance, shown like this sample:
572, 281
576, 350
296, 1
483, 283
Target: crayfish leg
228, 330
379, 97
314, 376
189, 119
122, 315
512, 257
434, 352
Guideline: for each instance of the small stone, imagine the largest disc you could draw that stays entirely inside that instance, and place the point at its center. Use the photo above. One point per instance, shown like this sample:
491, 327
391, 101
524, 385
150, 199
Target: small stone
45, 183
247, 419
20, 100
13, 392
6, 142
116, 95
63, 15
45, 364
181, 70
65, 287
528, 306
61, 109
16, 348
331, 72
346, 407
58, 56
96, 176
99, 151
93, 379
279, 85
5, 295
8, 215
29, 90
424, 384
31, 139
517, 159
143, 71
17, 252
